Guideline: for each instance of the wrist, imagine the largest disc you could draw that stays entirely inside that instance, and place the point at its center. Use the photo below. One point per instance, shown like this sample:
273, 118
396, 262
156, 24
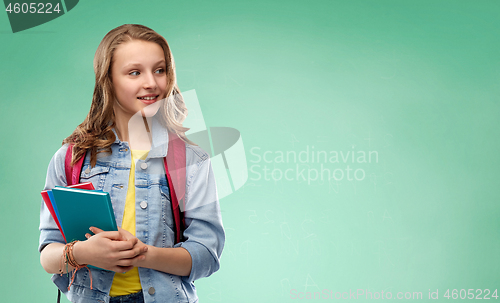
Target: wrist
78, 252
148, 256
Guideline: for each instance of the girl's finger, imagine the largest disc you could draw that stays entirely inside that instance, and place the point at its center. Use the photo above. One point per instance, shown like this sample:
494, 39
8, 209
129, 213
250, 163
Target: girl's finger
125, 245
95, 230
87, 235
111, 235
130, 253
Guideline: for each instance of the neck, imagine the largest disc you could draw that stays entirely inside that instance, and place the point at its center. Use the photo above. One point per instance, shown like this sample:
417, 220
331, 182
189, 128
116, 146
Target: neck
135, 130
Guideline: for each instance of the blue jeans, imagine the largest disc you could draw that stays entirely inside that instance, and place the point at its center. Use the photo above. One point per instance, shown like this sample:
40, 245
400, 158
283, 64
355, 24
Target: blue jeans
132, 298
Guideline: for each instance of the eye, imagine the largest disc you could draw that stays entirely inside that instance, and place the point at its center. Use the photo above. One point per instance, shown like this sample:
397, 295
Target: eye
135, 73
160, 71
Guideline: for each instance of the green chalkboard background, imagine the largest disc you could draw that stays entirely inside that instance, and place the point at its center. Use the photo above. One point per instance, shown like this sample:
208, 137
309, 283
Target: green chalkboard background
414, 84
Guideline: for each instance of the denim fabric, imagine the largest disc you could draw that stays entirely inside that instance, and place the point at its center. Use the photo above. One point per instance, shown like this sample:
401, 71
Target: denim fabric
154, 224
132, 298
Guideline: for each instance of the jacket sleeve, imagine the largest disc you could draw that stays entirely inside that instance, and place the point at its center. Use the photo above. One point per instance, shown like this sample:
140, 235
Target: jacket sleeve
49, 232
204, 232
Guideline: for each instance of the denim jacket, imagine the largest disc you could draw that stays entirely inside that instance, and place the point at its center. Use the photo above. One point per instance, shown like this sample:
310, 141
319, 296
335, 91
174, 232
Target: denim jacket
204, 234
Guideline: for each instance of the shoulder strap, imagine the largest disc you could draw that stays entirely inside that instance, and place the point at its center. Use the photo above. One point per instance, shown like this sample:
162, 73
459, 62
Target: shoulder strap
72, 178
175, 169
72, 172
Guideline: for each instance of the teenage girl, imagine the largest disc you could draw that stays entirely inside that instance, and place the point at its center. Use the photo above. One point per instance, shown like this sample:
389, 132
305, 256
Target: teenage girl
136, 106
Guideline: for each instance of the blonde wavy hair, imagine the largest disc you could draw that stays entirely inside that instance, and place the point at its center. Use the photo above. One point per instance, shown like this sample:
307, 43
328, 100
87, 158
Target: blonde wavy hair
95, 133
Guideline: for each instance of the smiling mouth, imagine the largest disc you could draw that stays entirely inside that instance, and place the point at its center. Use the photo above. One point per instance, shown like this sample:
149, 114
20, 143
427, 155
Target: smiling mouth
148, 98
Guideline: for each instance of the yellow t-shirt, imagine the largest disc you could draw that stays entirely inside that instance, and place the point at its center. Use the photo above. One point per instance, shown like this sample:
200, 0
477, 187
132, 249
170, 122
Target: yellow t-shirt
129, 282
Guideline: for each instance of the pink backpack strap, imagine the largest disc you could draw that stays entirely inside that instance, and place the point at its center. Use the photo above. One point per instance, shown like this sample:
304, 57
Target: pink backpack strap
175, 169
72, 172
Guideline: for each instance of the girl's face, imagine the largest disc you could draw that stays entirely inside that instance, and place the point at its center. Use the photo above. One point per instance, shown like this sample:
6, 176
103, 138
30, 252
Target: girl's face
139, 78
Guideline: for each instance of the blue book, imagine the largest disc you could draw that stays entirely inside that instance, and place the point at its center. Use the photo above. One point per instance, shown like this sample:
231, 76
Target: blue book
79, 209
52, 200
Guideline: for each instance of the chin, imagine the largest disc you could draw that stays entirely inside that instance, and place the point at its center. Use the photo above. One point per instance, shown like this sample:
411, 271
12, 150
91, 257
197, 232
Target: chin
152, 109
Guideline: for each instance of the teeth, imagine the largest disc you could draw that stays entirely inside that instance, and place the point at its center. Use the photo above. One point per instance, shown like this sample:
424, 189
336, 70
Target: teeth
147, 98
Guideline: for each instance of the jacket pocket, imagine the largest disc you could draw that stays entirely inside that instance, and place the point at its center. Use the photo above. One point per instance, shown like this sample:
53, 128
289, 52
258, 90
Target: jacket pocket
96, 175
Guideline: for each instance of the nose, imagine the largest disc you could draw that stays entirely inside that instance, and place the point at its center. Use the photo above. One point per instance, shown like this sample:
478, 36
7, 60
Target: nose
149, 81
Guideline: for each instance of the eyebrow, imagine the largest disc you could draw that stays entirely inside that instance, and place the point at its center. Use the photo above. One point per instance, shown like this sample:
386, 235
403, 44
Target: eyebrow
131, 65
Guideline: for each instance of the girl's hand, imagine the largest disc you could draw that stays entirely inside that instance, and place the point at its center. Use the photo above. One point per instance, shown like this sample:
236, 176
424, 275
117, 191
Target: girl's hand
126, 235
144, 248
108, 250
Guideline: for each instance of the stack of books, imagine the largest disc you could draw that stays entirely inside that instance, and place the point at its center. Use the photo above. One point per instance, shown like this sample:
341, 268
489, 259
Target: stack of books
76, 208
